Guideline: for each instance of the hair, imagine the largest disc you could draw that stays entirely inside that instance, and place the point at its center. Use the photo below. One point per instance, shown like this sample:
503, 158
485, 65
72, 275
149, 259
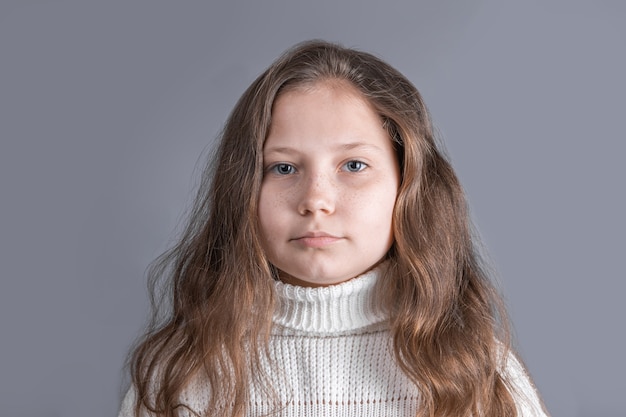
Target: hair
447, 322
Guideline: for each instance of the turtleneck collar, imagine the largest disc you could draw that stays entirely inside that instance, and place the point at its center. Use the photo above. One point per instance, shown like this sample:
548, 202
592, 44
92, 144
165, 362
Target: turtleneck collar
340, 308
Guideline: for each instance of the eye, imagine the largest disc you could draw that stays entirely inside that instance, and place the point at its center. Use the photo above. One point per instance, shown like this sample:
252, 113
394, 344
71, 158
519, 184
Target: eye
282, 169
354, 166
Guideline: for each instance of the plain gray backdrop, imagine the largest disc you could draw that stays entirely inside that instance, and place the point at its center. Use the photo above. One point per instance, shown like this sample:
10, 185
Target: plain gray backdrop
106, 108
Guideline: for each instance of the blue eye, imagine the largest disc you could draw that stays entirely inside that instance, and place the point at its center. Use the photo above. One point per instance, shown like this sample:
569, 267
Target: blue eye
355, 166
282, 169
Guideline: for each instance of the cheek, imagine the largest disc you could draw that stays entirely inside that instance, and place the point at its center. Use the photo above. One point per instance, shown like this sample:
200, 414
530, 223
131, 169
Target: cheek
381, 201
269, 213
264, 212
381, 214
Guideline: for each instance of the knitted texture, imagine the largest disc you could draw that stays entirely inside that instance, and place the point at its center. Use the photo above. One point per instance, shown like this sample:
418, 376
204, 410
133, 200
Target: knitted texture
330, 355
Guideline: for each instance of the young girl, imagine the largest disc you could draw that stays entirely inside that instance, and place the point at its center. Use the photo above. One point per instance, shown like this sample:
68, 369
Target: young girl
328, 267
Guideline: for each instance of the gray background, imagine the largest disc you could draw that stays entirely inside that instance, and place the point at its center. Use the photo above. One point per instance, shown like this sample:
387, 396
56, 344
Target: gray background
106, 108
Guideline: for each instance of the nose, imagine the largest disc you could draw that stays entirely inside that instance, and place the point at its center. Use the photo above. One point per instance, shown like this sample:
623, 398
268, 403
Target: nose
318, 195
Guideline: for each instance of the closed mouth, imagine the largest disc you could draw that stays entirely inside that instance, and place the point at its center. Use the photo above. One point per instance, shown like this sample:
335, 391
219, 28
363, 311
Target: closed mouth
316, 239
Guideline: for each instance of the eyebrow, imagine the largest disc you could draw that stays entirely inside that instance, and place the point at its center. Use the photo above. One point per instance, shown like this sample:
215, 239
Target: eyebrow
342, 146
359, 145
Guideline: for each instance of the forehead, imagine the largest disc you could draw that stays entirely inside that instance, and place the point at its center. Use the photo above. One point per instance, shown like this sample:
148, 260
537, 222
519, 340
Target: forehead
330, 92
324, 115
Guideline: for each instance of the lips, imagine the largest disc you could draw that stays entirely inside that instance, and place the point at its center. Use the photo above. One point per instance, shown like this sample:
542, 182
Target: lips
316, 239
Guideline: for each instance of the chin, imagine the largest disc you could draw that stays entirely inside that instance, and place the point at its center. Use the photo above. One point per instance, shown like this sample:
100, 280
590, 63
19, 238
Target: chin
313, 280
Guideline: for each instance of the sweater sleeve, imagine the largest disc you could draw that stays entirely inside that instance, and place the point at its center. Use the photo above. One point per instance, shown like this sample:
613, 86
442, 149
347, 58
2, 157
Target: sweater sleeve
527, 399
195, 395
126, 409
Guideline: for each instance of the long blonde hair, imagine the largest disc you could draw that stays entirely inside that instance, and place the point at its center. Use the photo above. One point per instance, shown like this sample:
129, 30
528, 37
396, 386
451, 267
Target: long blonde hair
448, 325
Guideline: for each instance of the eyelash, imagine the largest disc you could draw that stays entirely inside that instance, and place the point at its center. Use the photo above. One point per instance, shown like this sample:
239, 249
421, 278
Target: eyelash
277, 168
362, 165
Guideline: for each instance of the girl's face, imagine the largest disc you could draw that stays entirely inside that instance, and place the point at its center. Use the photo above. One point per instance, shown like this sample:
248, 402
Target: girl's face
329, 187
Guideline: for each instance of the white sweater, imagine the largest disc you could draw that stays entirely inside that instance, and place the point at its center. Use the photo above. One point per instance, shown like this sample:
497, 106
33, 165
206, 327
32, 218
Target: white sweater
332, 356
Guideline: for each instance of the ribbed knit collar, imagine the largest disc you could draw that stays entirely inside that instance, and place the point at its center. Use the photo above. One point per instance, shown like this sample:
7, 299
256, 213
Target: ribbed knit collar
328, 310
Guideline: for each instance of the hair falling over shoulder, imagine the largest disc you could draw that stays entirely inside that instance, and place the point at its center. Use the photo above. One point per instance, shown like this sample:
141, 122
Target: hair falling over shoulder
448, 324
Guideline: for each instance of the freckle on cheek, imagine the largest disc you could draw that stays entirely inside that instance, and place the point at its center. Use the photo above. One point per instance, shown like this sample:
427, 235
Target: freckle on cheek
279, 200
